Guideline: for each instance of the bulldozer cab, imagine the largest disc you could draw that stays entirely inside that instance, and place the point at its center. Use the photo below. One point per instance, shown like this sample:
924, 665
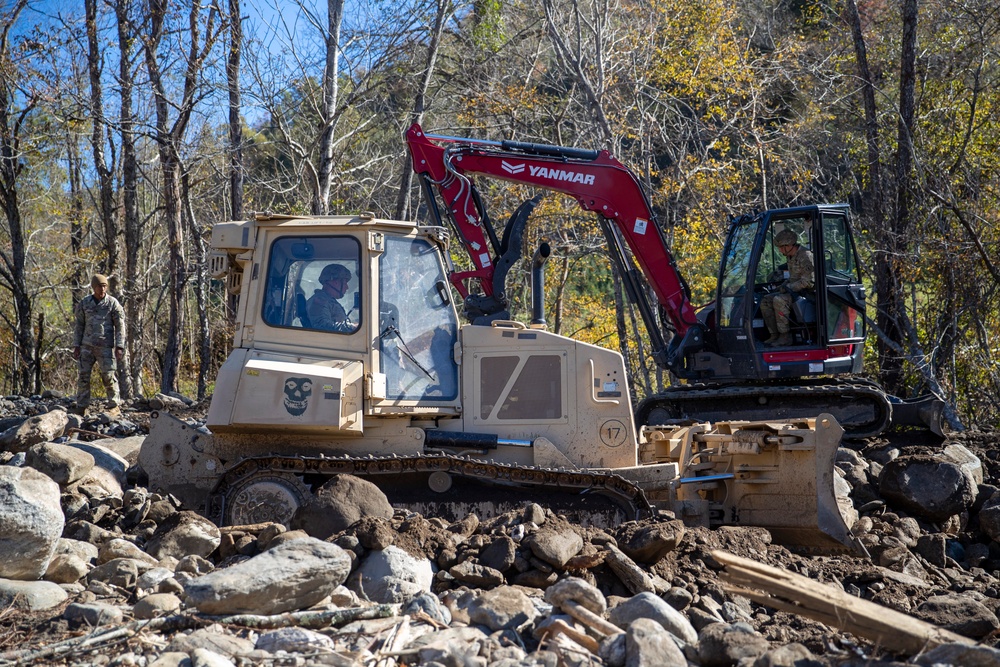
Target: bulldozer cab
824, 314
338, 318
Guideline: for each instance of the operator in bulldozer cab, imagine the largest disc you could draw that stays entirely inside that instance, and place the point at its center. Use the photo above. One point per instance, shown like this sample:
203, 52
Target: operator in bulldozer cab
776, 306
324, 309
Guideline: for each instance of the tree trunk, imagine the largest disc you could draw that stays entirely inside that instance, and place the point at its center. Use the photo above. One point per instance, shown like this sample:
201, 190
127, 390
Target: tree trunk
235, 126
892, 305
620, 326
98, 139
176, 263
77, 276
328, 112
13, 262
130, 376
875, 210
419, 106
170, 170
39, 338
200, 289
168, 138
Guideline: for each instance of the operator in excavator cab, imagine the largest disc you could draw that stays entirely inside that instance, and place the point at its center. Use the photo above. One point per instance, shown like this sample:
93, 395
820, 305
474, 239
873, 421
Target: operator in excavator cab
776, 306
324, 309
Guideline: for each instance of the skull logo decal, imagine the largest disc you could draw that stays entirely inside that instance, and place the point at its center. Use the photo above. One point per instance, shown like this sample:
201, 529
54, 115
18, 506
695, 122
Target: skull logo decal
297, 393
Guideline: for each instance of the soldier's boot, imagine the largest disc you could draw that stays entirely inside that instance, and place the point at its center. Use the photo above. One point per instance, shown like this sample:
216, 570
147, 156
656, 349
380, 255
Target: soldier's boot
783, 340
772, 327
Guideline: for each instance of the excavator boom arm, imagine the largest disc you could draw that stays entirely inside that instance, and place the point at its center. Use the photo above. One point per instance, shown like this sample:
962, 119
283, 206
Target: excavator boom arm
597, 181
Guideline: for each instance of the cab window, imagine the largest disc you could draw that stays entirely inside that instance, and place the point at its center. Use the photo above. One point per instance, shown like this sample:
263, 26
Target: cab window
417, 327
314, 283
838, 248
773, 266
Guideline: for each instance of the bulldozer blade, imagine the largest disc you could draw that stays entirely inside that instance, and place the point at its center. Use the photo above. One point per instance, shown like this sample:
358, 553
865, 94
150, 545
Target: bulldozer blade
833, 532
925, 411
774, 475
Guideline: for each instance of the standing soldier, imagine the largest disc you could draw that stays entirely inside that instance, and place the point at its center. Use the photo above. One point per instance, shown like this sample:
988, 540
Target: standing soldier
100, 337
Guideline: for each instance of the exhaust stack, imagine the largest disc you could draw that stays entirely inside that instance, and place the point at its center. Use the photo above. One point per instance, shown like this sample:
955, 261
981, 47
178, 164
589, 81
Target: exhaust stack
538, 286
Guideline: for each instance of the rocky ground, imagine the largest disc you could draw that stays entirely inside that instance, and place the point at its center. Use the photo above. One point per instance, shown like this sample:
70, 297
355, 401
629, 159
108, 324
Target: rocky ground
96, 570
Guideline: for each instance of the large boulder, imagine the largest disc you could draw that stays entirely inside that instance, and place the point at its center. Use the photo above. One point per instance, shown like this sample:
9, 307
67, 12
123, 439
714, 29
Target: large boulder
62, 463
338, 504
127, 449
291, 576
927, 486
40, 428
109, 468
31, 522
555, 543
960, 614
649, 543
182, 534
391, 576
31, 595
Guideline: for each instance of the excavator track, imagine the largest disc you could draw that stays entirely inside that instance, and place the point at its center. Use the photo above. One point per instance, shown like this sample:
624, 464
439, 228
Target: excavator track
270, 488
860, 406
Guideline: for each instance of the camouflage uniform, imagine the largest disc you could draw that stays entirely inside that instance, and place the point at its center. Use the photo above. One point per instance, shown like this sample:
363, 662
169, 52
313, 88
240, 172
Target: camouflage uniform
326, 313
100, 328
775, 307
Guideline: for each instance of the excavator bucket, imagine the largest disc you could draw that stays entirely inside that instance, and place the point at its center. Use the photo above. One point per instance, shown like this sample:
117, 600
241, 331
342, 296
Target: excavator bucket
925, 411
775, 475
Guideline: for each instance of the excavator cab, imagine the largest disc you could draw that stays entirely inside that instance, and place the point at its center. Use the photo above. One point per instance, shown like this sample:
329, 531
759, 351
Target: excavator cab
825, 319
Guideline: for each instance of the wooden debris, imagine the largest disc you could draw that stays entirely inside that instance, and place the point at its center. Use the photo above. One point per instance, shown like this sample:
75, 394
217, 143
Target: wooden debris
399, 635
633, 576
306, 619
102, 637
590, 619
793, 593
246, 528
560, 627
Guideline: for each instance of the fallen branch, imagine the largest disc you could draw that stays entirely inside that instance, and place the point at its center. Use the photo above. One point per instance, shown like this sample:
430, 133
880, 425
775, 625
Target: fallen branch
633, 576
793, 593
104, 636
98, 638
590, 619
560, 627
306, 619
246, 528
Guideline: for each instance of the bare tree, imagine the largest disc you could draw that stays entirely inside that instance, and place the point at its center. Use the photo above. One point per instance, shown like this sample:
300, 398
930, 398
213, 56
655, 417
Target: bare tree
16, 104
131, 223
236, 168
443, 10
200, 250
891, 255
169, 135
99, 139
328, 109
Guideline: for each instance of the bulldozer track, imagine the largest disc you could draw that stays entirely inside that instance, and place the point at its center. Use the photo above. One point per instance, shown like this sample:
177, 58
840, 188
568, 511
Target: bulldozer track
846, 400
570, 481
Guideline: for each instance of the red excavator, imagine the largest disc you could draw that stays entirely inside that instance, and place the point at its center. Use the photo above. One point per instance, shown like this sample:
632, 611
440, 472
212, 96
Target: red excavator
719, 350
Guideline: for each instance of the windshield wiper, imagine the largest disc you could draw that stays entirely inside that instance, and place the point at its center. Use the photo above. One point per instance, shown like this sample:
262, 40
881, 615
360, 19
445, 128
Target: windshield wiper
392, 330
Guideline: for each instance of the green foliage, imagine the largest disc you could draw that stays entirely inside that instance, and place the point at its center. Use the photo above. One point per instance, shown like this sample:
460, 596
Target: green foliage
489, 29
